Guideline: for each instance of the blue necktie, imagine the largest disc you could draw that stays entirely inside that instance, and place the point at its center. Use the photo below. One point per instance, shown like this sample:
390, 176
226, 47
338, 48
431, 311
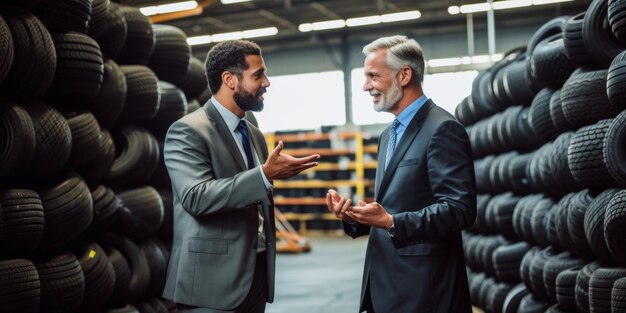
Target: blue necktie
242, 127
392, 141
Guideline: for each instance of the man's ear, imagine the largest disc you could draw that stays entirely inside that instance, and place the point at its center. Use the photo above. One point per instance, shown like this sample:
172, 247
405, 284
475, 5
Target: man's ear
406, 75
229, 80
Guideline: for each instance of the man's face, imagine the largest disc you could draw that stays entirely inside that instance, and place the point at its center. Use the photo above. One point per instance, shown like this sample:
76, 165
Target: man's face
381, 82
253, 83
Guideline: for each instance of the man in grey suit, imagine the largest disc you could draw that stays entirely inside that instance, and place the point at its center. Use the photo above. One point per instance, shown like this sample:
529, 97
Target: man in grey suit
223, 252
425, 193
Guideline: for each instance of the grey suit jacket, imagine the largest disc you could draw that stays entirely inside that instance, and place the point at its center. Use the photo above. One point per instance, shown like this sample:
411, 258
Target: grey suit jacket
429, 189
215, 213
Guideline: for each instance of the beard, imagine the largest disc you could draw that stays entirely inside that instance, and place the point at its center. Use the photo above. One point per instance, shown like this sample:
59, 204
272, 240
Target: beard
248, 101
389, 99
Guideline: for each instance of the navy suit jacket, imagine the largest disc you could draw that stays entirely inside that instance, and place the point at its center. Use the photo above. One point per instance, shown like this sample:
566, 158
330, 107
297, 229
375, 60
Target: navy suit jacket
429, 189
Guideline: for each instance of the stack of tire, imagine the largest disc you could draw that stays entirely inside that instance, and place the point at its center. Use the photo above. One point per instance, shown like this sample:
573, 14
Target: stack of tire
87, 92
547, 125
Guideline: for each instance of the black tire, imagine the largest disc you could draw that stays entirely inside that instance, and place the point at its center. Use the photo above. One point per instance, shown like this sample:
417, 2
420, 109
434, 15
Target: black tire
573, 40
525, 267
539, 115
585, 158
137, 156
140, 39
531, 304
140, 273
68, 210
560, 170
556, 113
583, 98
172, 107
614, 149
64, 16
507, 260
600, 43
20, 283
538, 221
553, 267
582, 286
600, 287
157, 258
160, 178
105, 207
496, 296
172, 55
113, 32
565, 288
549, 64
22, 222
97, 169
6, 49
53, 141
537, 269
62, 283
618, 296
86, 137
195, 80
551, 27
513, 298
99, 276
616, 82
166, 231
617, 19
142, 214
122, 276
34, 59
576, 222
17, 140
80, 68
99, 16
108, 105
561, 224
594, 226
615, 228
142, 95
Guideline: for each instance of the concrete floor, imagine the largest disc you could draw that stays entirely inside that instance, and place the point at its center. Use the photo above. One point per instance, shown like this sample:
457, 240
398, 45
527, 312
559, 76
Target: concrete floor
325, 280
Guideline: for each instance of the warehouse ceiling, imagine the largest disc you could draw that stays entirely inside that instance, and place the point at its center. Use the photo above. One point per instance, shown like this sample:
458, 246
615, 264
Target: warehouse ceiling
286, 15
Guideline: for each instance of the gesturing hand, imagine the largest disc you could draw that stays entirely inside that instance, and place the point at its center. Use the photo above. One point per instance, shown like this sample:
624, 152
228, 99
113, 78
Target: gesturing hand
281, 166
372, 214
338, 205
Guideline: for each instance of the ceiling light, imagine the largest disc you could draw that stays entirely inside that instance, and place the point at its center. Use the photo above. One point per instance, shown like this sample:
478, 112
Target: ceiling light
499, 5
328, 24
306, 27
261, 32
169, 8
233, 1
251, 33
199, 40
400, 16
366, 20
466, 60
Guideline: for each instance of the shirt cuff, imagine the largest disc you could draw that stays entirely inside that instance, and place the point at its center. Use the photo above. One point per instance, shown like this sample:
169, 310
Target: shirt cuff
268, 184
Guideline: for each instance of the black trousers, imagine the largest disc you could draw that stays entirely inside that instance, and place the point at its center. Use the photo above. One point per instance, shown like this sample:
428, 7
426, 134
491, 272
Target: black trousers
256, 299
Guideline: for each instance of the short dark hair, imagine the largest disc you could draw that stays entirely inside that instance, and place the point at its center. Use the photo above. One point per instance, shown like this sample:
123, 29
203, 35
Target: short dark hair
228, 56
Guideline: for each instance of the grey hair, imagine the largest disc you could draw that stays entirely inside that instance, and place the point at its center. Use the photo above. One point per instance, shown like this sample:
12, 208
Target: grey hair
402, 51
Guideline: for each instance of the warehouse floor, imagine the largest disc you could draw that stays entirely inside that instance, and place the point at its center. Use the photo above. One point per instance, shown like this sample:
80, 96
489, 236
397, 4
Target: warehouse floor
327, 279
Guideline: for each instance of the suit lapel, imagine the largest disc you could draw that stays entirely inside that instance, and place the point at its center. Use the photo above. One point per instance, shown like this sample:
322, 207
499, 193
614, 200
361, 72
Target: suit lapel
256, 143
405, 142
225, 134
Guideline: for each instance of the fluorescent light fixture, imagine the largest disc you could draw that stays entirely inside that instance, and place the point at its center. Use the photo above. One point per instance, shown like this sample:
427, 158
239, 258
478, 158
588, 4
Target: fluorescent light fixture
455, 9
251, 33
466, 60
233, 1
260, 32
169, 8
366, 20
400, 16
444, 62
360, 21
499, 5
199, 40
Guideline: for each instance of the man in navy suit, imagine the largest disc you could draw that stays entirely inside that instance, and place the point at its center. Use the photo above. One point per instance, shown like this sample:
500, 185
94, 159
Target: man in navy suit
425, 193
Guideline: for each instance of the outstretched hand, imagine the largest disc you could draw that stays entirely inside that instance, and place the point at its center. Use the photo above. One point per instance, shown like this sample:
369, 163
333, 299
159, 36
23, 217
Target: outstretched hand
338, 205
372, 214
280, 166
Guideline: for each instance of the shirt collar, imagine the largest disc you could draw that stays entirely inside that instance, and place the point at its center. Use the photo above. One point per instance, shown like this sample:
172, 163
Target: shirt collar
408, 113
229, 117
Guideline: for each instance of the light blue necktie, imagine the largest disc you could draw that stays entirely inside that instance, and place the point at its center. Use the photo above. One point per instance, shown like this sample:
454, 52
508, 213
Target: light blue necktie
392, 141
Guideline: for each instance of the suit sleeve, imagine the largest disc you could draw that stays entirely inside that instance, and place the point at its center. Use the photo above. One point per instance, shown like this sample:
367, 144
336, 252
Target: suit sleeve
451, 175
194, 182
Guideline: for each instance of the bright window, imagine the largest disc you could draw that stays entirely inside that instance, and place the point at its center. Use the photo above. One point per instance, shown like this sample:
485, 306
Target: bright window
303, 101
445, 89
